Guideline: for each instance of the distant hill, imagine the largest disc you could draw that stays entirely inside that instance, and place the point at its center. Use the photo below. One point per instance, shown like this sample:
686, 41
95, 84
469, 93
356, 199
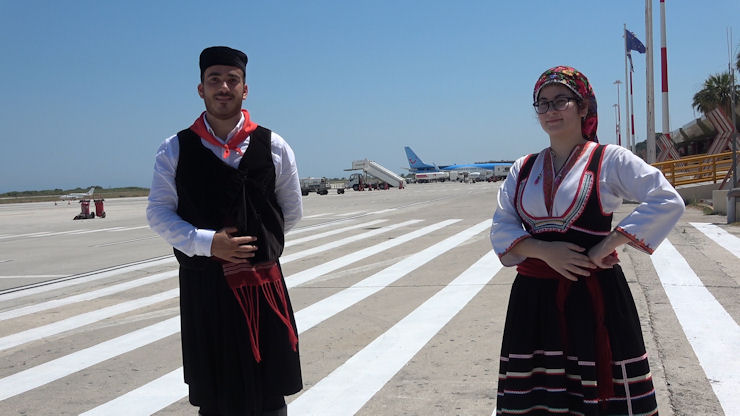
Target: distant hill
54, 194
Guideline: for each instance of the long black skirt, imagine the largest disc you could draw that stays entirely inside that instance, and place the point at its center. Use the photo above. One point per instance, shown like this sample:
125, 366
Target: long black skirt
541, 373
218, 362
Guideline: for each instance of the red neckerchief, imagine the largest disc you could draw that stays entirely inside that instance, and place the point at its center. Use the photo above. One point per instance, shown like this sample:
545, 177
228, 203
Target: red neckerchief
199, 128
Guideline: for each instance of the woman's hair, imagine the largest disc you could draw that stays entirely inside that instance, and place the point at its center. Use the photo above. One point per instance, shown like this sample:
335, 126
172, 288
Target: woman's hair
578, 83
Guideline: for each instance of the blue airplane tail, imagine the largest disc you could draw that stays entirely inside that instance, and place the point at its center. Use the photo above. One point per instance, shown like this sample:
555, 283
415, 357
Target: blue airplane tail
415, 162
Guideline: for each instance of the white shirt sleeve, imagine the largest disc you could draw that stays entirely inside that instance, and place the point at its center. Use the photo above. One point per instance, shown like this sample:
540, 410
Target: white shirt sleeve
161, 211
507, 228
287, 182
626, 176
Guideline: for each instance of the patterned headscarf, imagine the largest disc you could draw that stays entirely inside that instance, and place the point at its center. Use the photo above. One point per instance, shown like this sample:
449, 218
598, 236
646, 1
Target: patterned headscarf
578, 83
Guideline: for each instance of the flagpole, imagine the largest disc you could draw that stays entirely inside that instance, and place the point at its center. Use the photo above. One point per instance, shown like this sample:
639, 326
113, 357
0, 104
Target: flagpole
664, 72
627, 87
632, 116
619, 115
649, 113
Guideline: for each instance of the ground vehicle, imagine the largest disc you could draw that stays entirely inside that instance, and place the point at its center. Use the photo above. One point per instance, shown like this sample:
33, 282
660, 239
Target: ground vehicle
319, 185
423, 177
359, 181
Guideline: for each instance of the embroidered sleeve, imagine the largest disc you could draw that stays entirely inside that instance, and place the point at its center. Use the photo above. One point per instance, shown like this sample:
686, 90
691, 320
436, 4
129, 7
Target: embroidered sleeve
625, 176
507, 229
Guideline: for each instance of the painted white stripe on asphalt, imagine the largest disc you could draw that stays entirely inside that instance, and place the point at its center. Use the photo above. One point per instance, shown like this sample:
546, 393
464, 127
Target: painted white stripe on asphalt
726, 240
383, 211
55, 303
317, 227
713, 334
102, 274
342, 242
69, 364
115, 243
173, 390
130, 228
317, 215
318, 312
83, 319
34, 276
72, 232
332, 232
97, 230
347, 214
320, 270
351, 385
159, 395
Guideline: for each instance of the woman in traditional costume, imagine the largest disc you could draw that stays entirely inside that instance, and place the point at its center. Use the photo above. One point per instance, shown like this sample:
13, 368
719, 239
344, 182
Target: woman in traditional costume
572, 340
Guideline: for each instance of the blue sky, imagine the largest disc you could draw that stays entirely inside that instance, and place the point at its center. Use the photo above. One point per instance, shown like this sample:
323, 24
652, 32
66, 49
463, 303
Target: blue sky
91, 88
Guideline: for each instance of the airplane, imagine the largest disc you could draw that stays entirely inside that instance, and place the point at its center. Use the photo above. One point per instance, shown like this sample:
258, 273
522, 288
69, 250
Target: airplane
417, 165
78, 195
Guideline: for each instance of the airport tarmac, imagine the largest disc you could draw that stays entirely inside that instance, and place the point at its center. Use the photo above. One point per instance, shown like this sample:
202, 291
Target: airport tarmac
399, 304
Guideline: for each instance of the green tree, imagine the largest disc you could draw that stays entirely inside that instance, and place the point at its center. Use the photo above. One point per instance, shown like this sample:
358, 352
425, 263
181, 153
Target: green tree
715, 93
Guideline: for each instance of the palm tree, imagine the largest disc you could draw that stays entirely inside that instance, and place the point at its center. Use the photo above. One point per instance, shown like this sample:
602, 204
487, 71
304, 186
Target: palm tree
716, 93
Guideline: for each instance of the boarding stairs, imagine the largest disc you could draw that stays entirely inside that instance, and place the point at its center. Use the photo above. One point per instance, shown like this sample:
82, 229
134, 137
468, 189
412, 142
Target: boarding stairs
377, 170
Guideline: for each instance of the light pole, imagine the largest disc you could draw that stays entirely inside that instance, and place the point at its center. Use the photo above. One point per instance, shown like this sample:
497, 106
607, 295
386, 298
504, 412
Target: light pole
616, 122
619, 116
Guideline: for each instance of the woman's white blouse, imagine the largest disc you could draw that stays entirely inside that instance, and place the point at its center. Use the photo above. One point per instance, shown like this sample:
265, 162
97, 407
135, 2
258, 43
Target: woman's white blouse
622, 176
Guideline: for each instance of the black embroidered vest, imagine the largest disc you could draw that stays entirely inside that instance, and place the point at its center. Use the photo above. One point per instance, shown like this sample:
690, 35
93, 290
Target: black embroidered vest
213, 195
584, 223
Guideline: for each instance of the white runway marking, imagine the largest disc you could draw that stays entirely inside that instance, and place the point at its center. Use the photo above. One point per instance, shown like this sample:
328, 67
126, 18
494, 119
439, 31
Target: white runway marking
130, 228
318, 312
332, 232
314, 272
317, 215
351, 385
108, 290
713, 334
347, 214
125, 241
342, 242
86, 277
302, 230
61, 367
34, 276
167, 390
383, 211
70, 232
726, 240
143, 401
83, 319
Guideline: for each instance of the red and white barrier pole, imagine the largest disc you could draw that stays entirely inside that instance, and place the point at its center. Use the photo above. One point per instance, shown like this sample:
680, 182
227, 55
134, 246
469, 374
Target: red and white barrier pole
664, 71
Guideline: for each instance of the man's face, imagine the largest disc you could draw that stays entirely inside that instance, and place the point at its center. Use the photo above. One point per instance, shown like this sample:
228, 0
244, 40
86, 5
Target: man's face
223, 90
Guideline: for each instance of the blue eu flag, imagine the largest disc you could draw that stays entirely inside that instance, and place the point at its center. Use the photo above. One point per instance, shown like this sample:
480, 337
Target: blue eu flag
633, 44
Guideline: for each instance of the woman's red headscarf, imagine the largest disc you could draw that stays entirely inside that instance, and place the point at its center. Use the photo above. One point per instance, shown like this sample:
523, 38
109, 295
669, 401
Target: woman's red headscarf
578, 83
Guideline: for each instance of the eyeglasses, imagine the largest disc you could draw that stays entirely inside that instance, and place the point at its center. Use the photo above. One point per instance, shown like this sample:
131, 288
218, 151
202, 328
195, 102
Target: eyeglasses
559, 104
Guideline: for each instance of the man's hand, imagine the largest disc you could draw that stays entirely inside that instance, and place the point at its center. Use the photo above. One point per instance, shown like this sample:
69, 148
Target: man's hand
230, 248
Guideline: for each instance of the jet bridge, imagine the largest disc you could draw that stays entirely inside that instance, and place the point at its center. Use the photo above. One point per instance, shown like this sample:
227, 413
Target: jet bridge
377, 170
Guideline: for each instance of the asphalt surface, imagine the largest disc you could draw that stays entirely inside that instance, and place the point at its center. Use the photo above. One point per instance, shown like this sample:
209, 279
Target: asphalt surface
399, 303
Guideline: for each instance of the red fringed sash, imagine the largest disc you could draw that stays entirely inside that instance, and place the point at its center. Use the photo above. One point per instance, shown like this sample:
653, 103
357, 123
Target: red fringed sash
539, 269
247, 281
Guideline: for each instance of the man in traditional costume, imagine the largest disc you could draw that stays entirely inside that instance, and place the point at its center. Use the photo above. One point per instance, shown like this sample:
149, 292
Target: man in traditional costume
224, 192
572, 340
